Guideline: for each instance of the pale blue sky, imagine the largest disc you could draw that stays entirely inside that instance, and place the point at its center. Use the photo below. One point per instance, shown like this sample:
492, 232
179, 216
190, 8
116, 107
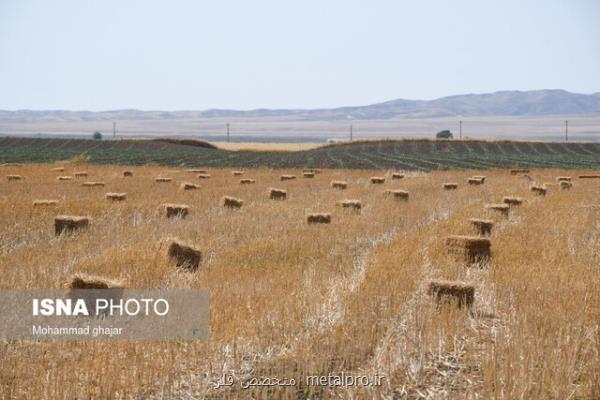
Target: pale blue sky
170, 55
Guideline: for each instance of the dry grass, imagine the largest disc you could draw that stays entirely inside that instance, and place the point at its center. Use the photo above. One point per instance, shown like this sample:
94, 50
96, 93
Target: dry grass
289, 299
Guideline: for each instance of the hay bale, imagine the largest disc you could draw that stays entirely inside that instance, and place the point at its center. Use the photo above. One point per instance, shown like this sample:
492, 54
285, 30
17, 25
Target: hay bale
377, 180
238, 173
80, 174
189, 186
45, 203
519, 171
185, 256
342, 185
196, 171
92, 184
348, 203
512, 201
480, 177
318, 218
483, 226
459, 293
539, 190
397, 175
175, 210
14, 177
563, 178
502, 209
204, 176
475, 181
85, 281
65, 178
127, 173
232, 202
312, 170
69, 224
589, 176
308, 174
277, 194
287, 177
162, 179
566, 185
116, 196
398, 194
247, 181
450, 186
58, 169
469, 248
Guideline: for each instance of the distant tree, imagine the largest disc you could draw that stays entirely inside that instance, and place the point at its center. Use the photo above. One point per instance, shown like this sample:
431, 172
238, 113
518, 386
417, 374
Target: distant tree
97, 135
446, 134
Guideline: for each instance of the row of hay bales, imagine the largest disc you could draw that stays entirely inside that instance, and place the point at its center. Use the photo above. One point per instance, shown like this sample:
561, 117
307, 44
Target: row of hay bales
473, 249
477, 249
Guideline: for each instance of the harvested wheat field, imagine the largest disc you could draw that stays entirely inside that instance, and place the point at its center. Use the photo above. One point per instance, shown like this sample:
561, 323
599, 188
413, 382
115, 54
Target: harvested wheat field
295, 300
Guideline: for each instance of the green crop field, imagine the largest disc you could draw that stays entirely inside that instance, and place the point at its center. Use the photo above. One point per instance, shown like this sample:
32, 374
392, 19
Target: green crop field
404, 154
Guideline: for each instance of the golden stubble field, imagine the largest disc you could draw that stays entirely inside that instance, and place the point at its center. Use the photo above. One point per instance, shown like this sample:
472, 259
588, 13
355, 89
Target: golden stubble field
289, 299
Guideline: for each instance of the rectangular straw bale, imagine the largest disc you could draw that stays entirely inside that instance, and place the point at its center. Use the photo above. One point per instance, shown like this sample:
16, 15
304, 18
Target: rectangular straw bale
203, 176
247, 181
589, 176
45, 203
14, 177
238, 173
116, 196
58, 169
65, 178
512, 201
196, 171
469, 248
459, 293
318, 218
175, 210
92, 184
80, 174
85, 281
450, 186
349, 203
185, 256
502, 209
563, 178
475, 181
480, 177
377, 180
68, 224
339, 185
162, 179
232, 202
398, 194
277, 194
287, 177
566, 185
308, 174
397, 175
539, 190
127, 173
483, 226
189, 186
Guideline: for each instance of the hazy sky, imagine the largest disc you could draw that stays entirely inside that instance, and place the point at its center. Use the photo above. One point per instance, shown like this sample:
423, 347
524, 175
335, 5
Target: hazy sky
170, 55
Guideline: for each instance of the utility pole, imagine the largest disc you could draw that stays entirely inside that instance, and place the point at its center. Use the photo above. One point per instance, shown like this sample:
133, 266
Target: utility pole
350, 132
228, 131
114, 130
460, 124
566, 130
